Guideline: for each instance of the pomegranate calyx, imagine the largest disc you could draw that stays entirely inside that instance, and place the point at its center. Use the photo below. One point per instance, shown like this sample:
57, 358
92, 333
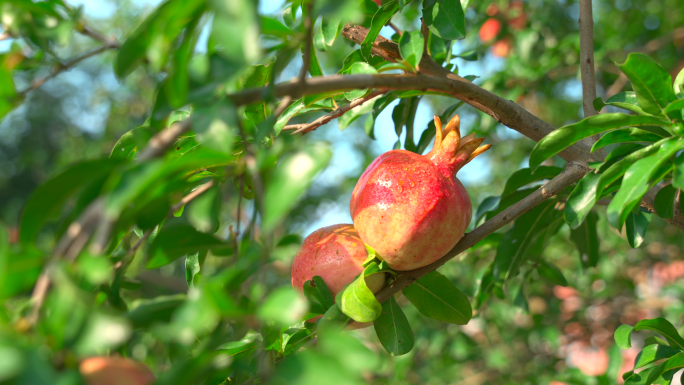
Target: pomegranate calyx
451, 152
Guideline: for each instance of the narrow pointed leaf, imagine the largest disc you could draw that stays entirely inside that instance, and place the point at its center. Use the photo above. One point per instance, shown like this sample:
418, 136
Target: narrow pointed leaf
635, 228
629, 135
393, 329
665, 202
653, 353
678, 173
651, 83
436, 297
551, 273
665, 328
581, 200
319, 296
586, 239
526, 176
617, 169
674, 106
291, 179
566, 136
638, 179
625, 100
381, 17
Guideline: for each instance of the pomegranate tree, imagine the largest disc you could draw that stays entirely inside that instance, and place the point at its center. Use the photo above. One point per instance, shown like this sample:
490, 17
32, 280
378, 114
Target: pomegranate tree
411, 208
336, 254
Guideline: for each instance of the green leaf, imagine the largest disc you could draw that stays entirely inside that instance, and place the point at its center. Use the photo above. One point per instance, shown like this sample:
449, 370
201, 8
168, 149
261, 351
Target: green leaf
581, 200
130, 142
674, 106
638, 179
678, 173
331, 27
566, 136
381, 17
152, 39
676, 362
618, 168
651, 83
678, 85
411, 47
526, 176
445, 18
378, 106
319, 296
628, 135
8, 93
487, 205
314, 68
284, 306
357, 301
216, 125
636, 226
393, 329
436, 297
234, 37
177, 83
652, 353
623, 336
145, 312
291, 179
665, 202
47, 200
523, 240
350, 116
193, 267
175, 241
665, 328
626, 100
359, 68
639, 378
273, 27
551, 273
586, 239
247, 343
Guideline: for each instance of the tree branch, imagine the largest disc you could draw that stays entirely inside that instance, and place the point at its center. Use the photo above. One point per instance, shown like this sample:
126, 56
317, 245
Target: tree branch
586, 25
504, 111
308, 127
572, 173
36, 83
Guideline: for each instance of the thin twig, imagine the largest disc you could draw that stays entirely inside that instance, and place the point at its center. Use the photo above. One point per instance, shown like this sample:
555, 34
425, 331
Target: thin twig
396, 29
308, 43
572, 173
308, 127
586, 25
109, 42
36, 83
194, 194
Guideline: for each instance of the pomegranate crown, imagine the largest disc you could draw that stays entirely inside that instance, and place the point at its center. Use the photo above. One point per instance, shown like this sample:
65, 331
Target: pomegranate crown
452, 152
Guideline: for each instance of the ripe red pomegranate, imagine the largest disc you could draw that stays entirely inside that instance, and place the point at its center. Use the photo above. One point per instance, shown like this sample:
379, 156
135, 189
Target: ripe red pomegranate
336, 254
378, 2
411, 208
115, 371
489, 30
